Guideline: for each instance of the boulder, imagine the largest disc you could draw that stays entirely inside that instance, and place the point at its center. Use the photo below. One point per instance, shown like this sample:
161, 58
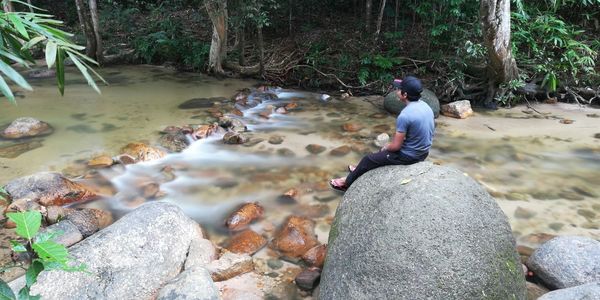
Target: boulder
26, 127
566, 261
457, 109
583, 292
131, 259
191, 284
420, 232
48, 189
392, 104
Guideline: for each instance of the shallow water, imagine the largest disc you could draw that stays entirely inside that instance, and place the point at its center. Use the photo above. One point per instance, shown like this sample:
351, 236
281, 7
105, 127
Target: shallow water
544, 182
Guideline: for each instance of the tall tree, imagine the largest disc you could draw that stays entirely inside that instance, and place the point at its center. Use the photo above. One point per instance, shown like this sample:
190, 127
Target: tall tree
368, 13
217, 11
96, 28
495, 18
379, 19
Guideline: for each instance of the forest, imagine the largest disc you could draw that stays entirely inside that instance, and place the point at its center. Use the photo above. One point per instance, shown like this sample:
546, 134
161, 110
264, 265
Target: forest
490, 52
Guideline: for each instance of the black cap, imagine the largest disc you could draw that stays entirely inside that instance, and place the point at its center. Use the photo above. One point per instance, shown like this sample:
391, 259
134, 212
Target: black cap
411, 85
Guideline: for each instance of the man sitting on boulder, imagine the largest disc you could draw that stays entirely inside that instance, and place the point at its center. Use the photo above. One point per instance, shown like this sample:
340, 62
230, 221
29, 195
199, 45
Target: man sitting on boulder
415, 128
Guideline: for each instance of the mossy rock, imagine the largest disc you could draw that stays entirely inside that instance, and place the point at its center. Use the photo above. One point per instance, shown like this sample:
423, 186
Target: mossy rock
392, 104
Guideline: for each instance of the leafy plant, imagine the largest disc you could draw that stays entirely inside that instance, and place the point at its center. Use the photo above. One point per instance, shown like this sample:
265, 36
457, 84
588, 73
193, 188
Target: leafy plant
46, 254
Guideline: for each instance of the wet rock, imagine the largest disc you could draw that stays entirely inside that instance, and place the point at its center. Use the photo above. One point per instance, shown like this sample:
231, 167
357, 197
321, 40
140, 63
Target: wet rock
361, 148
514, 196
142, 152
382, 140
372, 250
597, 135
246, 242
393, 105
556, 226
315, 149
536, 239
288, 197
265, 114
275, 139
274, 264
236, 112
382, 128
524, 250
325, 196
56, 213
285, 152
571, 196
201, 253
586, 213
191, 284
281, 110
241, 95
174, 141
312, 211
41, 73
196, 103
291, 106
24, 204
566, 261
585, 191
243, 216
102, 161
90, 220
230, 265
13, 151
49, 189
253, 142
457, 109
205, 131
234, 138
125, 159
315, 257
308, 279
523, 213
582, 292
378, 116
67, 233
295, 237
352, 127
566, 121
535, 291
26, 127
340, 151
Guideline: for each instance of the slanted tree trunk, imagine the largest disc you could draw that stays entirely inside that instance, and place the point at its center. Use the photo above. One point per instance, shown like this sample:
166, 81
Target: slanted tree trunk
96, 28
217, 11
379, 19
502, 68
368, 13
86, 28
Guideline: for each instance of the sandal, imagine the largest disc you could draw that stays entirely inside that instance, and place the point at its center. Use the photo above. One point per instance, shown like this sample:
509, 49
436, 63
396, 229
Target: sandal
351, 168
337, 186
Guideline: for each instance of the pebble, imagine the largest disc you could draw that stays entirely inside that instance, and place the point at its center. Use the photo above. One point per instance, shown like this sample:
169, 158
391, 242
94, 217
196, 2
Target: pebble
286, 152
351, 127
276, 139
340, 151
516, 196
556, 226
571, 196
246, 242
523, 213
588, 214
315, 149
308, 279
274, 264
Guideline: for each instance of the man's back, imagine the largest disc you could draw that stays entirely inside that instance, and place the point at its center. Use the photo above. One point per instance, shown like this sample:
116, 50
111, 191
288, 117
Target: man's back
416, 120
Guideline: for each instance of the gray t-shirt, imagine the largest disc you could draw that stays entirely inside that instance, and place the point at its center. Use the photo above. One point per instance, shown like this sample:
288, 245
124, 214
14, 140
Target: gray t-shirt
416, 121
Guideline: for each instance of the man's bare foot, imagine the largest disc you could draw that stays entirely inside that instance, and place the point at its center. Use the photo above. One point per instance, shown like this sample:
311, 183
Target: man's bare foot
338, 184
351, 168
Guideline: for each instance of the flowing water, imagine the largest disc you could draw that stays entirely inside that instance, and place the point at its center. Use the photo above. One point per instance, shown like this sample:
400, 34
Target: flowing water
546, 180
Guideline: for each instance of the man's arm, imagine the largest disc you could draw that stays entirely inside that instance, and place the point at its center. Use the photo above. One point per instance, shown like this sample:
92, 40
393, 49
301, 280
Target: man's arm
396, 143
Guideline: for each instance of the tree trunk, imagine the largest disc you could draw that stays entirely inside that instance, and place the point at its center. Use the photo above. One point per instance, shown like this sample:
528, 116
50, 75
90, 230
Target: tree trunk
396, 15
217, 11
90, 40
7, 6
368, 13
495, 18
379, 19
290, 2
96, 26
261, 50
242, 46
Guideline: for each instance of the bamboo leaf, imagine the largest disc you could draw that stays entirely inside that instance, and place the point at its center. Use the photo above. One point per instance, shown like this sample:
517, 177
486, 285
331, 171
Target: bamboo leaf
33, 42
5, 89
83, 69
60, 71
51, 252
28, 223
5, 292
50, 53
14, 75
16, 20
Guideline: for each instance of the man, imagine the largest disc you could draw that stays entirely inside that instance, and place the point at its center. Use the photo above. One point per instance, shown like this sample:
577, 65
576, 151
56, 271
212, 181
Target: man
415, 128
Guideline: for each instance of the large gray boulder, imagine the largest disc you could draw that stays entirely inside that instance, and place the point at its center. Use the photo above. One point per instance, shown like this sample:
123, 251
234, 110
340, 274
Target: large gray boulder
566, 261
420, 232
392, 104
588, 291
131, 259
191, 284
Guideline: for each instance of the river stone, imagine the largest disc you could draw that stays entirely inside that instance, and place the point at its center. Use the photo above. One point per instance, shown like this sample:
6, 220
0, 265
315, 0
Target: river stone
131, 259
48, 189
392, 104
90, 220
588, 291
13, 151
315, 148
191, 284
143, 152
398, 239
26, 127
174, 141
566, 261
457, 109
200, 103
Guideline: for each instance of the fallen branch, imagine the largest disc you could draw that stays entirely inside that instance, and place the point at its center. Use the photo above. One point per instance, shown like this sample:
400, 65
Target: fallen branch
336, 78
576, 96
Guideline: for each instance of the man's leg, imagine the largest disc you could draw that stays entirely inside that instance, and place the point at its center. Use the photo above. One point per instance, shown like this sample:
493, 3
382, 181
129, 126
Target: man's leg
368, 163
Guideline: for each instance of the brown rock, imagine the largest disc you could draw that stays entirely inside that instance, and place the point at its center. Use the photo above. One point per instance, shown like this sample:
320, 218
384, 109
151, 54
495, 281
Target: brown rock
524, 250
150, 190
234, 138
56, 213
288, 197
340, 151
315, 257
142, 152
49, 189
13, 151
275, 139
315, 149
361, 148
125, 159
25, 127
242, 217
246, 242
536, 239
90, 220
102, 161
230, 265
566, 121
291, 106
23, 204
295, 237
204, 131
352, 127
308, 279
378, 116
237, 112
457, 109
264, 114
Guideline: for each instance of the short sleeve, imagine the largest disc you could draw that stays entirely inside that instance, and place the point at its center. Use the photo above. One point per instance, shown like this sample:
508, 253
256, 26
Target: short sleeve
402, 123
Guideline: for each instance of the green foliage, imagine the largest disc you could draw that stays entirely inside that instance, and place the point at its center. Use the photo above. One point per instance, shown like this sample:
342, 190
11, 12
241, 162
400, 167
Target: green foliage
46, 253
378, 67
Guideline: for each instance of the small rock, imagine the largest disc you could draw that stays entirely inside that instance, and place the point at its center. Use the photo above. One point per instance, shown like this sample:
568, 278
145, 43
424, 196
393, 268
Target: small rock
295, 237
382, 140
242, 217
571, 196
275, 139
325, 97
90, 220
246, 242
102, 161
201, 253
142, 152
597, 135
585, 191
288, 197
234, 138
205, 131
56, 213
230, 265
522, 213
340, 151
285, 152
516, 196
68, 235
378, 116
308, 279
457, 109
325, 196
382, 128
361, 148
26, 127
566, 121
174, 141
150, 190
315, 257
556, 226
125, 159
586, 213
352, 127
291, 106
536, 239
281, 110
13, 151
274, 264
315, 149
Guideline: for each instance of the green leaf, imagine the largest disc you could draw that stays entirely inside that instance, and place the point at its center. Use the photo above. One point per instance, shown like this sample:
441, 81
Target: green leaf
5, 89
50, 251
24, 294
50, 53
28, 223
32, 273
47, 235
60, 71
33, 42
14, 75
16, 20
5, 292
18, 247
83, 69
